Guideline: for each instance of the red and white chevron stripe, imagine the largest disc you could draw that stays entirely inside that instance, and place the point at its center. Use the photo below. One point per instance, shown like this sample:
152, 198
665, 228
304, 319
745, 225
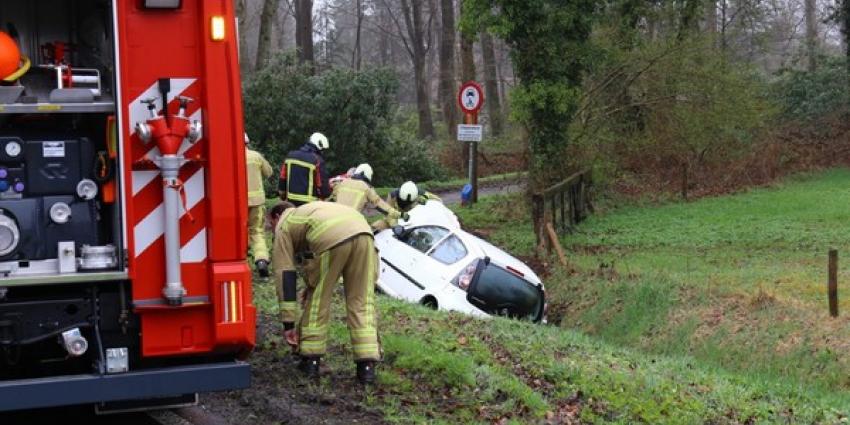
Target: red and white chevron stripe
148, 225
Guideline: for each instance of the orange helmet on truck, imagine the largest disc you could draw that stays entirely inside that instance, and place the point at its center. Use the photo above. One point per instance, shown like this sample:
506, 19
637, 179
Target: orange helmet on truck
10, 55
12, 64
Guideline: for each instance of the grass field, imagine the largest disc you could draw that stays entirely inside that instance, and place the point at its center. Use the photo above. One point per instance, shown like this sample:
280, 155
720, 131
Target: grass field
706, 312
738, 282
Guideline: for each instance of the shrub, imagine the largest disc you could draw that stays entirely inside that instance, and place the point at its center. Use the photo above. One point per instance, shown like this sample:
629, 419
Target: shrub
804, 95
285, 103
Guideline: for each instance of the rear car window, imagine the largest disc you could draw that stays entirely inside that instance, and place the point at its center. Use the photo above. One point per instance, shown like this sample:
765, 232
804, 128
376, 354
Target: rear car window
498, 291
449, 251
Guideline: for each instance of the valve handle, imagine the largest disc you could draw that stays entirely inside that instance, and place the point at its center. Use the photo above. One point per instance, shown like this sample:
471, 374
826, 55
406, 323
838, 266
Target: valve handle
185, 101
184, 104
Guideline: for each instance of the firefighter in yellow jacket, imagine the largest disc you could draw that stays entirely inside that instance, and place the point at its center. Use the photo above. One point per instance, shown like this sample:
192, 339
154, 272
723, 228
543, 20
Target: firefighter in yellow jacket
357, 192
404, 199
327, 240
258, 170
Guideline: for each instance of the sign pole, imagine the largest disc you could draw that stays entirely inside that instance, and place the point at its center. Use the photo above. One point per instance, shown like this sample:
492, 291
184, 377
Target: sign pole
472, 119
471, 98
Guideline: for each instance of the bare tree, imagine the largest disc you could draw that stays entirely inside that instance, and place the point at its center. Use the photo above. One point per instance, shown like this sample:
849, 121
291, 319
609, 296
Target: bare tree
491, 84
811, 34
447, 66
417, 37
267, 20
304, 30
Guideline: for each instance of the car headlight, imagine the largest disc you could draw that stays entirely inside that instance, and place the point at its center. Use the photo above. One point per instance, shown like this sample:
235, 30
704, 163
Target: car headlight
464, 278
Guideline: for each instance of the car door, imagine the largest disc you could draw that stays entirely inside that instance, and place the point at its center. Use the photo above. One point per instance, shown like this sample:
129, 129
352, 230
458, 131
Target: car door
401, 260
417, 243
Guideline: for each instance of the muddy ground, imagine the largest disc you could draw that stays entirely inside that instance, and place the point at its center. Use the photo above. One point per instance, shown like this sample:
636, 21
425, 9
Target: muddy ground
280, 395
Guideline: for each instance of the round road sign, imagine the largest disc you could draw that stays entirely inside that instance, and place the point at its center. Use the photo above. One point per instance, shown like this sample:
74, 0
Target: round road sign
471, 97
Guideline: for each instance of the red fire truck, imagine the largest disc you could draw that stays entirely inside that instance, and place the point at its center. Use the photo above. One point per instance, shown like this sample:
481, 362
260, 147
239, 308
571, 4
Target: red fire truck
123, 280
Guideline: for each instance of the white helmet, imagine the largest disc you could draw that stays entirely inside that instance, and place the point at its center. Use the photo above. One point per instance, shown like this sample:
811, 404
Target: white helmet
364, 169
247, 140
408, 192
319, 141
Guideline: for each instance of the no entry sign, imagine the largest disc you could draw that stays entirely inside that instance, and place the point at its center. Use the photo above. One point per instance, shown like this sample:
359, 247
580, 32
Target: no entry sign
471, 97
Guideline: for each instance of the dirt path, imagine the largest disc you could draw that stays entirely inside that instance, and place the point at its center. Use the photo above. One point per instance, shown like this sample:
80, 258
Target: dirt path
452, 197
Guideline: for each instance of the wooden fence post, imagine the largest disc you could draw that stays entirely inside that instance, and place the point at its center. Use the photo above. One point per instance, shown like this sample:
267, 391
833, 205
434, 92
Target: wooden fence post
537, 217
832, 284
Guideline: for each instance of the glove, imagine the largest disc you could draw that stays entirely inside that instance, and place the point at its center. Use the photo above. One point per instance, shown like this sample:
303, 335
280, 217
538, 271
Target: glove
290, 335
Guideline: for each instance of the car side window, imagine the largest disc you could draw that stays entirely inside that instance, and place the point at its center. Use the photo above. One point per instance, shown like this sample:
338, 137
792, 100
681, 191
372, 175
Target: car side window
424, 238
450, 251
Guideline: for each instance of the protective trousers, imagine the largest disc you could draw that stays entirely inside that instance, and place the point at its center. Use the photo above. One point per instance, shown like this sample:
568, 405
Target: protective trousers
257, 233
355, 261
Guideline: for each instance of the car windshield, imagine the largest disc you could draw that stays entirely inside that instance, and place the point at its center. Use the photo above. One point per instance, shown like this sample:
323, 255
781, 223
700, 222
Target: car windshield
424, 238
498, 291
449, 251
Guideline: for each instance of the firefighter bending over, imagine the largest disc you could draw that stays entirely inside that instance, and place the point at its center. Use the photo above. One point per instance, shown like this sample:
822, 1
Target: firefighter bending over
404, 199
357, 192
258, 170
303, 176
327, 240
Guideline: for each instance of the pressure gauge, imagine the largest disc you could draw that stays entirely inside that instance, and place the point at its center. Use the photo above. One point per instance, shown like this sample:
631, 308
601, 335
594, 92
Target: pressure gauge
13, 149
60, 213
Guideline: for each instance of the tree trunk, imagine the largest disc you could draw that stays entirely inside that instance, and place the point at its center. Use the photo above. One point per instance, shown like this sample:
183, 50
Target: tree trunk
711, 16
304, 31
412, 11
467, 58
357, 54
384, 45
267, 20
242, 15
467, 73
844, 24
447, 67
491, 84
811, 34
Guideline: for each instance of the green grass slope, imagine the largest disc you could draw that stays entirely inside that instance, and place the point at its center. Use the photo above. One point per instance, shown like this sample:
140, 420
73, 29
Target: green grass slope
449, 368
737, 282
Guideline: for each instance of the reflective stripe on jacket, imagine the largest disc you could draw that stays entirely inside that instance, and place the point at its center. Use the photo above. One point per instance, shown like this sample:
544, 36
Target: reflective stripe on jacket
315, 227
303, 176
258, 170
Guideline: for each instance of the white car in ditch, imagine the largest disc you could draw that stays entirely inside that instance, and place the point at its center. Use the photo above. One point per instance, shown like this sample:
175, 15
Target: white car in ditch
430, 260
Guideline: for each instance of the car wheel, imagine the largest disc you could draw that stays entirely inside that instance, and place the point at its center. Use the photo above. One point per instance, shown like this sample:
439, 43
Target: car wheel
430, 302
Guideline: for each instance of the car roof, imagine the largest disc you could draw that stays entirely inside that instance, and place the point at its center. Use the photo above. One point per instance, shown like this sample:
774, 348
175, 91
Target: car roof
433, 213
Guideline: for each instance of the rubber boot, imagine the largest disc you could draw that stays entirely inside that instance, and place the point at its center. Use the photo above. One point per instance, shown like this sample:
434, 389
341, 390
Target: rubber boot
366, 373
262, 268
310, 366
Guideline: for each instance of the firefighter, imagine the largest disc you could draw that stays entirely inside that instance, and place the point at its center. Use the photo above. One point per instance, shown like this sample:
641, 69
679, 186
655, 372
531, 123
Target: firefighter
303, 176
357, 192
258, 170
327, 240
404, 199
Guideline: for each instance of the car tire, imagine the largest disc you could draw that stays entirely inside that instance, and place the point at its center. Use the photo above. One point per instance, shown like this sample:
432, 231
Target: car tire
430, 302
